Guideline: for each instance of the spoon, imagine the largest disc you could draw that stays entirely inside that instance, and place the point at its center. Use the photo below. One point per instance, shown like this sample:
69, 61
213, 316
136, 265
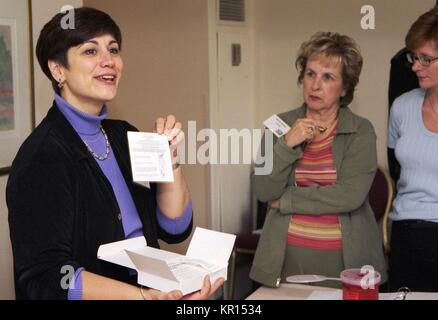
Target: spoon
308, 278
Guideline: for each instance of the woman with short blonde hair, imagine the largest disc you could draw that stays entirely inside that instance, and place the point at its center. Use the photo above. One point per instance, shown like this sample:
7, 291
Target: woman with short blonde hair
319, 221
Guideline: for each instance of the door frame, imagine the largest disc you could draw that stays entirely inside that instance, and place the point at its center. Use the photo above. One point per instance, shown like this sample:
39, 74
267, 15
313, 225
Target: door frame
214, 27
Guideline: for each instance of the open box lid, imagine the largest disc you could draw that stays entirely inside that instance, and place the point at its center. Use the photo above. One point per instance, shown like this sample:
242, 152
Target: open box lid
206, 246
115, 251
211, 246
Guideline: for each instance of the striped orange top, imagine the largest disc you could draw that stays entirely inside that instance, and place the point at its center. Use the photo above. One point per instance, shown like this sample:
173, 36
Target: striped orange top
316, 167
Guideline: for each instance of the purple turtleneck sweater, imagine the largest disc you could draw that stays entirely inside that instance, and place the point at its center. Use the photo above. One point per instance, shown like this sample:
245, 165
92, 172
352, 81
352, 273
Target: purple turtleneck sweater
88, 128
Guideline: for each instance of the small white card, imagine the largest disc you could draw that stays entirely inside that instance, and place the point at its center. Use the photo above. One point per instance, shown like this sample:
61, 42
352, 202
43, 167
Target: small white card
150, 157
276, 125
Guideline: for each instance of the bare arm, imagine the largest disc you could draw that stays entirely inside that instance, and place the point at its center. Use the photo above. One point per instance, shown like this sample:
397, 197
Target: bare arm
172, 198
96, 287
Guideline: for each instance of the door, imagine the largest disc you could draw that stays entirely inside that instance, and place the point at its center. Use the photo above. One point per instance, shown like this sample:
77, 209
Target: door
234, 112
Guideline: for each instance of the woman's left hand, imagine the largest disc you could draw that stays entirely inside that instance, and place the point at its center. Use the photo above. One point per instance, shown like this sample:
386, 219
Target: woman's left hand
206, 291
173, 130
275, 204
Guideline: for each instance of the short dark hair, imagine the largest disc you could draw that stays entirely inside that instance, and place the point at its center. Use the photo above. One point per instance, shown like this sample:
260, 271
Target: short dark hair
54, 40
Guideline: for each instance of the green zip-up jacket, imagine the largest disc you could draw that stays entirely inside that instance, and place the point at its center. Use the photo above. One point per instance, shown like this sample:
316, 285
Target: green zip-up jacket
355, 157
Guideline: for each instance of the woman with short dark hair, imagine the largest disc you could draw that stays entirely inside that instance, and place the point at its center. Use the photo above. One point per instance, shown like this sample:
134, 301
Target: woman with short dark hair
70, 189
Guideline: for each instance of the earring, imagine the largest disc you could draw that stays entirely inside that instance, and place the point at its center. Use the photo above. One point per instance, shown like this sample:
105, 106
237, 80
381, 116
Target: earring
60, 84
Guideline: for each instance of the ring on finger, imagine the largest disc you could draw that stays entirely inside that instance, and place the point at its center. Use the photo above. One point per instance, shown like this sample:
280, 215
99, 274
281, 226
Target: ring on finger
309, 130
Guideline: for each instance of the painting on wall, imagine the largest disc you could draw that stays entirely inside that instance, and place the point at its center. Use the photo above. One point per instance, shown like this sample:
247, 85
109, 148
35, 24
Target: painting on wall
6, 80
16, 107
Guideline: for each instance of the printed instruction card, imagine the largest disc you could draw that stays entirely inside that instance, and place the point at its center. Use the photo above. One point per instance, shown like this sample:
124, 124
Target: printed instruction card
150, 157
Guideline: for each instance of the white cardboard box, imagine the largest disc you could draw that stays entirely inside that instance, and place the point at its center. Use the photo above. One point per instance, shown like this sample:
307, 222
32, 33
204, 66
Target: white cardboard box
208, 254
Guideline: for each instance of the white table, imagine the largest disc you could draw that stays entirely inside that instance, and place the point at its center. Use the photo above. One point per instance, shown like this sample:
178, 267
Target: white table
286, 291
289, 291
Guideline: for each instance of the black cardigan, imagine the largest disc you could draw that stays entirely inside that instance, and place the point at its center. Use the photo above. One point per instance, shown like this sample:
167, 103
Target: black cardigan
62, 207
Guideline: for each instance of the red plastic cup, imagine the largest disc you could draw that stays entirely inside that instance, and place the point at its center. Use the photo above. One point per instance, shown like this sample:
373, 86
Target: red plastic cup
356, 287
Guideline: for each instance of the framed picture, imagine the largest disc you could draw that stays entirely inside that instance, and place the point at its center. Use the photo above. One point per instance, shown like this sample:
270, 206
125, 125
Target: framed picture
16, 82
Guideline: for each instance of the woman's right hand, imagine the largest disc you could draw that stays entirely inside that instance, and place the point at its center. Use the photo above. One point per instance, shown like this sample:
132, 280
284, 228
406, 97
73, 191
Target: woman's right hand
207, 290
303, 130
152, 294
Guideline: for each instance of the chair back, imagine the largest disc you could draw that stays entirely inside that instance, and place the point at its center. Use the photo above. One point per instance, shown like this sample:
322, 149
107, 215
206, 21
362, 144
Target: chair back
246, 243
380, 199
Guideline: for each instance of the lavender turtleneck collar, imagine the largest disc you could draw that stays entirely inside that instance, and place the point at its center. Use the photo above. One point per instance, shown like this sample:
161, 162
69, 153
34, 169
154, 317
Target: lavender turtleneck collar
83, 123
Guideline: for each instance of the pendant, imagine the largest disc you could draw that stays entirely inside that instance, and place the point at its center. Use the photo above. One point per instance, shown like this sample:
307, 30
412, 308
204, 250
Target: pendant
321, 129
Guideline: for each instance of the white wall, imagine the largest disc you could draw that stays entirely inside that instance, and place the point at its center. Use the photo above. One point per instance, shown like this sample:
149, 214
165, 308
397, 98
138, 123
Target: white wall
282, 25
42, 11
231, 106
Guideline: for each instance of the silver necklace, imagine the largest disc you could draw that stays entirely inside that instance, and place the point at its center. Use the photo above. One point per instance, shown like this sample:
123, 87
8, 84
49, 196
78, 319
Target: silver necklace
107, 149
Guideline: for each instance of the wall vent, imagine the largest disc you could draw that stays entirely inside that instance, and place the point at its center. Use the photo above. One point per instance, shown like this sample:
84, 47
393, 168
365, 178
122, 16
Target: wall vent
232, 10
